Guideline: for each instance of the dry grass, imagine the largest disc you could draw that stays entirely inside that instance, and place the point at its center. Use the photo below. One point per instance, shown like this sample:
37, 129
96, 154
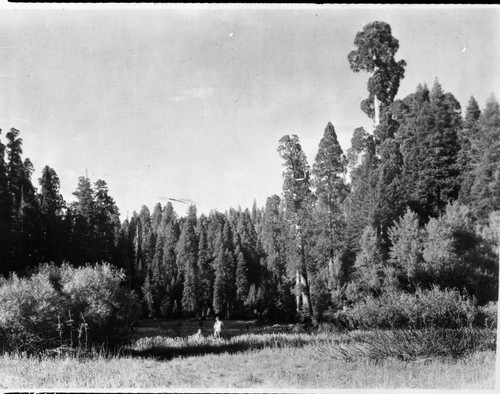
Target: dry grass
261, 368
278, 360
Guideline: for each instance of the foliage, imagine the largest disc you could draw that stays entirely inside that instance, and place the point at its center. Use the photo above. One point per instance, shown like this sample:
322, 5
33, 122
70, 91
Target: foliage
32, 307
424, 309
375, 52
406, 252
414, 203
411, 344
456, 256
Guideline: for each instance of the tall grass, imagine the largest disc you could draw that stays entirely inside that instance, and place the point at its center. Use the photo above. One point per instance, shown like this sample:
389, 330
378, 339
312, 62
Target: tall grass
263, 361
409, 344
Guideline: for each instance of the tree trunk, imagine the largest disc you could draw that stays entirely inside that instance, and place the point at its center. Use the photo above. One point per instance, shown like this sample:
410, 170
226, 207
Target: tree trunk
297, 291
376, 104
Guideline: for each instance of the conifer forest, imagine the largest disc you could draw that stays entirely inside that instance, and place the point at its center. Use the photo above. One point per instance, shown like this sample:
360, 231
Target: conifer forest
411, 207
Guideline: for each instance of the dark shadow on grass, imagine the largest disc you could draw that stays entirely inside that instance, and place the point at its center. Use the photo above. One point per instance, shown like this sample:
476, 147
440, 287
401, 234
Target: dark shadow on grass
165, 353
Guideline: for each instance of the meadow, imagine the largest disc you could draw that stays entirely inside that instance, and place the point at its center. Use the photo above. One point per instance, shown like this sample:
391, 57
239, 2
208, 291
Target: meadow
166, 354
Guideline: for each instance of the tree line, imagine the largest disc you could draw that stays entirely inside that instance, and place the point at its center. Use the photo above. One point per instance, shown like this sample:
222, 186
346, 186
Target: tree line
411, 205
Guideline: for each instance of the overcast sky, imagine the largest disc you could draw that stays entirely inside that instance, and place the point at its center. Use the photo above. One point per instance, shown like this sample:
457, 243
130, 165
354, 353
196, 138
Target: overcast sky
191, 102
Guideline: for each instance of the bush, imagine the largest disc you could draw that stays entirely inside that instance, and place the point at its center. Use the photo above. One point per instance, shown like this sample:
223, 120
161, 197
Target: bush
57, 304
488, 314
410, 344
28, 312
426, 308
97, 294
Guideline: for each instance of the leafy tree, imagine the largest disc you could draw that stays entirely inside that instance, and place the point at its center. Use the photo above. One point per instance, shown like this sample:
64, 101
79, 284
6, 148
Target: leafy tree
455, 256
369, 266
406, 254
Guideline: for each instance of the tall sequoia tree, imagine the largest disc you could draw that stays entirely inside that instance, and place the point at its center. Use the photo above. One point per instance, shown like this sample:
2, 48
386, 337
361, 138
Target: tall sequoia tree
298, 199
375, 52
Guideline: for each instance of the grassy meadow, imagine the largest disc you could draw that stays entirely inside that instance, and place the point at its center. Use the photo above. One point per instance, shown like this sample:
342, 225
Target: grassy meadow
166, 354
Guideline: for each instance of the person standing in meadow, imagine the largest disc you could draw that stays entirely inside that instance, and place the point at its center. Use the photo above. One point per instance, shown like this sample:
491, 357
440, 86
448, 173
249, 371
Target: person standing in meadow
218, 327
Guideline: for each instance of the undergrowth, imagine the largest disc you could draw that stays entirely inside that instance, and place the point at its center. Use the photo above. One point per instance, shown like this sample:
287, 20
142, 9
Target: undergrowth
409, 344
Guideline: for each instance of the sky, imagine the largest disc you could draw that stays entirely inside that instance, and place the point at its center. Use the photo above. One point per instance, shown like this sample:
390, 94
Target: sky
189, 102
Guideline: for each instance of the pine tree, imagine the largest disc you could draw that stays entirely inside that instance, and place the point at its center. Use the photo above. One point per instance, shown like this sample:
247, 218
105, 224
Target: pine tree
224, 283
361, 203
29, 219
106, 222
242, 284
469, 155
205, 271
329, 171
187, 247
429, 141
191, 292
156, 217
82, 211
15, 170
187, 256
485, 189
173, 278
158, 275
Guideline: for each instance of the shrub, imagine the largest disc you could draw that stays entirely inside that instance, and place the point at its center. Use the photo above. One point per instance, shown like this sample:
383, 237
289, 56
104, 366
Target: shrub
410, 344
28, 312
32, 307
426, 308
97, 293
488, 315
